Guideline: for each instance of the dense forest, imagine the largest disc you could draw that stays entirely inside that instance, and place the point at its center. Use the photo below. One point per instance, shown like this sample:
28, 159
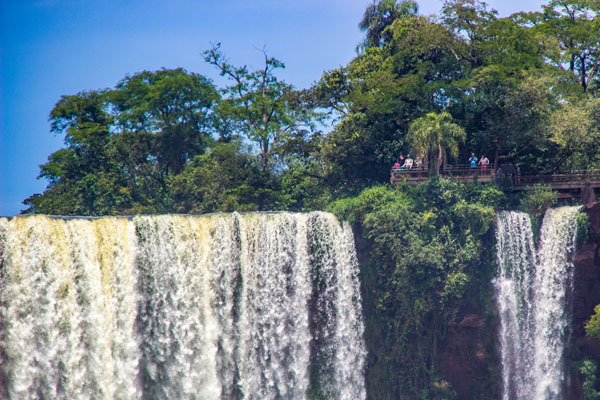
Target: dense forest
524, 88
521, 89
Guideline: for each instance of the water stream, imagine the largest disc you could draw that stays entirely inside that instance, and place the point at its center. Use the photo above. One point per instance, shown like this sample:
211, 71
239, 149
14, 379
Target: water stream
532, 289
252, 306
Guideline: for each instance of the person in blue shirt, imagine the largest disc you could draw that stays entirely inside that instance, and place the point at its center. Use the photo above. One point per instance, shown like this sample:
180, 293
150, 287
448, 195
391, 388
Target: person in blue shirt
473, 161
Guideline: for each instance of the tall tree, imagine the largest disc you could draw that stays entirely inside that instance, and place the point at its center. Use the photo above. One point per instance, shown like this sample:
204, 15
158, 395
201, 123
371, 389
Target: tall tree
171, 105
574, 132
380, 93
123, 145
434, 136
267, 110
379, 16
81, 176
576, 25
572, 32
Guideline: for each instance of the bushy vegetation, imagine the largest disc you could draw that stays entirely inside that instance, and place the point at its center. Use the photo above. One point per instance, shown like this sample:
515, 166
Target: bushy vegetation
592, 328
424, 260
538, 200
582, 229
589, 370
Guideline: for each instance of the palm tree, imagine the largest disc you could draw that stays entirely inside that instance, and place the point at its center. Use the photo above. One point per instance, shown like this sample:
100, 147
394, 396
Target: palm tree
381, 14
433, 135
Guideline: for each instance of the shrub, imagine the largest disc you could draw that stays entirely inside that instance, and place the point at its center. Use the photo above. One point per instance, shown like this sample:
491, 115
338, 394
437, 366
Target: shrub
539, 199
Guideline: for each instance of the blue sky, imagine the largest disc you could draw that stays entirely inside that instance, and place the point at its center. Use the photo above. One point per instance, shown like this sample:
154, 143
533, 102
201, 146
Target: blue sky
50, 48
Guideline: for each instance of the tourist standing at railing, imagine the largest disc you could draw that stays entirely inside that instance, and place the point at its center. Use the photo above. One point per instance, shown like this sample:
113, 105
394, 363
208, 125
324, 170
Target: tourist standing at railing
419, 162
484, 162
397, 166
408, 163
518, 173
499, 176
473, 161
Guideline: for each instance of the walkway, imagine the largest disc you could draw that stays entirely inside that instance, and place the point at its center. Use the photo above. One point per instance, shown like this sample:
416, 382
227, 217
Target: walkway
572, 184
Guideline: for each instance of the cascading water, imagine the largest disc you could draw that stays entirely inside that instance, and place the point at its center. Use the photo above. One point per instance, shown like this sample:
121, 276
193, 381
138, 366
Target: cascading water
253, 306
531, 289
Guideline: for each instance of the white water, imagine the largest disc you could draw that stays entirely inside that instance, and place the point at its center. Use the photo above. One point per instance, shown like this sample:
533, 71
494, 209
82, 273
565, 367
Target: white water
532, 288
256, 306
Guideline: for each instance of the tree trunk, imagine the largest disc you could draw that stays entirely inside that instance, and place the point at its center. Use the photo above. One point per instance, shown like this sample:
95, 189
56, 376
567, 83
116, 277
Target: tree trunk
265, 155
439, 159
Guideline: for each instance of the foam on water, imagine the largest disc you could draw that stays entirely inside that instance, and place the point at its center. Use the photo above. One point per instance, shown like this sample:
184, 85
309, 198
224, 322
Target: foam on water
252, 306
531, 290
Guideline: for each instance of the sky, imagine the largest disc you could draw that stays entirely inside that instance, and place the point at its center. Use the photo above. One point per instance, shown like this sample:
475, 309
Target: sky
50, 48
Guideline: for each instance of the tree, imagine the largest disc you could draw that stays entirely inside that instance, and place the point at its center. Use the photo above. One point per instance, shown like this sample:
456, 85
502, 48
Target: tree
123, 144
575, 26
574, 132
380, 93
589, 371
435, 135
226, 178
508, 116
592, 327
266, 110
379, 16
174, 107
81, 176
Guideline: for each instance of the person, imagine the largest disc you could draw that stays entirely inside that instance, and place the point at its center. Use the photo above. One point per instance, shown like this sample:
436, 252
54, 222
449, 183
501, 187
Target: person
508, 171
473, 161
397, 166
408, 163
418, 162
484, 162
518, 173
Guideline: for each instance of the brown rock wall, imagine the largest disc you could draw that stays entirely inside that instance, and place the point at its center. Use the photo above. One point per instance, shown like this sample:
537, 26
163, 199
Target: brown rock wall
586, 295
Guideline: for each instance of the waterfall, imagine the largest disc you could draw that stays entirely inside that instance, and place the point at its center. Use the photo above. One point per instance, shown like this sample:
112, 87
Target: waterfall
532, 288
231, 306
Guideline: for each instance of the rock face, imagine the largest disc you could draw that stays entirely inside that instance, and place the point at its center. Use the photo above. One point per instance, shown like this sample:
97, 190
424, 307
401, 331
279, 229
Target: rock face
586, 295
467, 357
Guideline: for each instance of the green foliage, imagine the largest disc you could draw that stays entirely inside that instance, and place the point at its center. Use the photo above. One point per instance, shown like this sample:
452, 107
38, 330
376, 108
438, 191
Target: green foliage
575, 46
123, 145
582, 229
379, 16
425, 246
262, 108
589, 370
539, 199
575, 134
173, 107
378, 95
165, 141
435, 135
224, 179
592, 327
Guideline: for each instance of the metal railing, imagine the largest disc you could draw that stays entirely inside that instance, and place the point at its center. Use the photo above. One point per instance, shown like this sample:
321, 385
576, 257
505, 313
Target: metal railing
464, 173
461, 173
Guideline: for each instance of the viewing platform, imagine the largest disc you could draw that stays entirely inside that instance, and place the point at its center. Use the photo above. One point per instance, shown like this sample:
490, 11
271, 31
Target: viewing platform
571, 184
463, 174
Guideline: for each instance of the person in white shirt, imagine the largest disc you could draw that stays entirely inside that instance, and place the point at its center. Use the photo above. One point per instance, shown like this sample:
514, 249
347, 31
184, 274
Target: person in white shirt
408, 163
